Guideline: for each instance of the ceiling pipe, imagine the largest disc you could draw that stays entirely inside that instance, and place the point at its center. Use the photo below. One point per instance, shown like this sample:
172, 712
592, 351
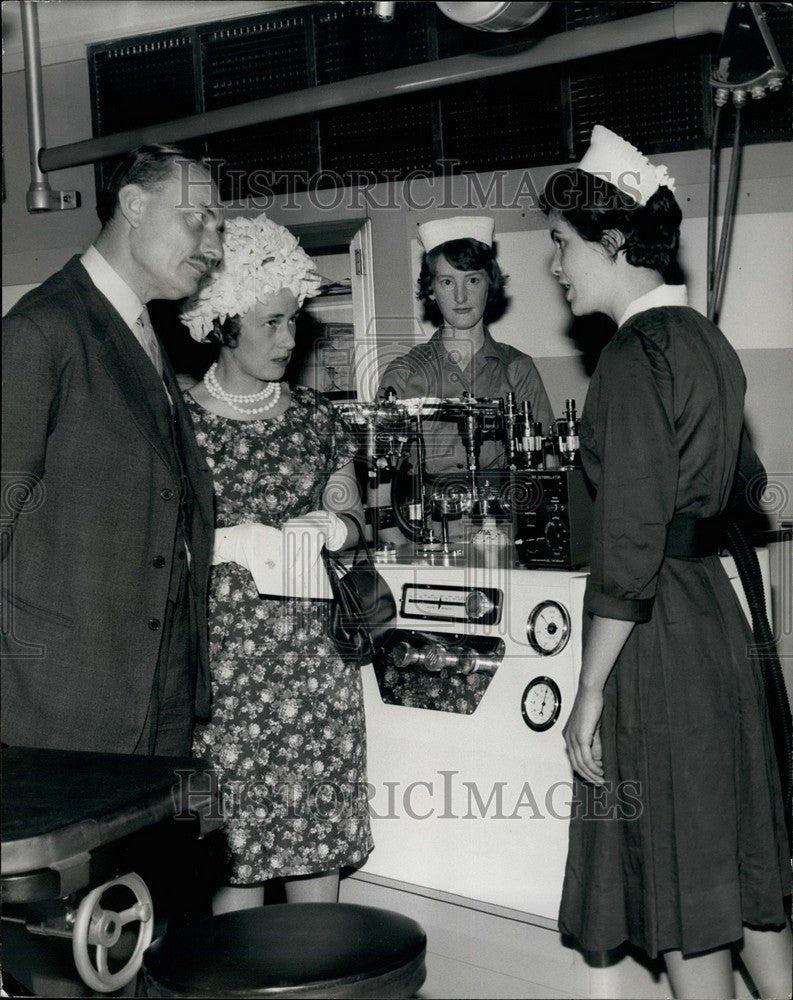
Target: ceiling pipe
684, 20
40, 196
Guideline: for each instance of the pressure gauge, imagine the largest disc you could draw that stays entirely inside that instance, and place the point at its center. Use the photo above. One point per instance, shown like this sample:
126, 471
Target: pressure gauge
541, 704
548, 628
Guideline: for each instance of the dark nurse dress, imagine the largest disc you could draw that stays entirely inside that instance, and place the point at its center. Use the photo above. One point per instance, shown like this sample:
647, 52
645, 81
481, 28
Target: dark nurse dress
686, 843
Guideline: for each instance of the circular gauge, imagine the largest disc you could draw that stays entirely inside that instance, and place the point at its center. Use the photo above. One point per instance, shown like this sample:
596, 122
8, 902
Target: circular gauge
541, 704
548, 628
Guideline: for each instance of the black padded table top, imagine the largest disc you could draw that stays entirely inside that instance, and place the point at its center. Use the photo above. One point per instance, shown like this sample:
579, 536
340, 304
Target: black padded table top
58, 804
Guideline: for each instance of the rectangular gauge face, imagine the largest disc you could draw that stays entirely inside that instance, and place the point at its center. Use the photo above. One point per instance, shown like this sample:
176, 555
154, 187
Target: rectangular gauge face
480, 605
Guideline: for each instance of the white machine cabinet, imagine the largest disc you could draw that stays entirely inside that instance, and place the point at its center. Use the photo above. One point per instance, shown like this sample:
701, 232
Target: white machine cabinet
470, 811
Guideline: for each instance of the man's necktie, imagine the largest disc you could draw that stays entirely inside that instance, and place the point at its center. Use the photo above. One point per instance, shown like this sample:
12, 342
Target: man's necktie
148, 339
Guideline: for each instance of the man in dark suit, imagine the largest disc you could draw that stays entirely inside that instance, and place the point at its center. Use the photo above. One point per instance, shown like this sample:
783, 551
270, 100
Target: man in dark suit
107, 501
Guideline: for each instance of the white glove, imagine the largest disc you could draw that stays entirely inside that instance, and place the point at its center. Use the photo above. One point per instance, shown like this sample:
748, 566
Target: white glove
256, 547
315, 529
304, 536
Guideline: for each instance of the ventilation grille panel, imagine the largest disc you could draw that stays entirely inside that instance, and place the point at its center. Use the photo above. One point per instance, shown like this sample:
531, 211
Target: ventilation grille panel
250, 62
660, 109
658, 96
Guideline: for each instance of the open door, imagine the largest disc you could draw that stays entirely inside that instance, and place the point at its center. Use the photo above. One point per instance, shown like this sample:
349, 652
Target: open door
336, 352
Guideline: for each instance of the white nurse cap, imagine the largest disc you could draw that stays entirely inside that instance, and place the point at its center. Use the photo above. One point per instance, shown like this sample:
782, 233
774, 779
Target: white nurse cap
460, 227
621, 164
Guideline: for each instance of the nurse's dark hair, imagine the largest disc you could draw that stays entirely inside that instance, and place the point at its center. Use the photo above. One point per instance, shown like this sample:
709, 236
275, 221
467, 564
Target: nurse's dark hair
147, 166
593, 206
465, 255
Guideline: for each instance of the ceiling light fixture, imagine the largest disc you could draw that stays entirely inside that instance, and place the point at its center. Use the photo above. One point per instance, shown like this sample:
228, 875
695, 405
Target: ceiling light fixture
492, 16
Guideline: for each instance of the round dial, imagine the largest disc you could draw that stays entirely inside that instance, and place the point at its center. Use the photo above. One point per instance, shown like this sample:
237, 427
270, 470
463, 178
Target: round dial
556, 533
541, 704
548, 628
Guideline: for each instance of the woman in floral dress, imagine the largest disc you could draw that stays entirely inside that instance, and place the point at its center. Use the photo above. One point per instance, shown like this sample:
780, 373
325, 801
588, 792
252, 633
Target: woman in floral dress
287, 728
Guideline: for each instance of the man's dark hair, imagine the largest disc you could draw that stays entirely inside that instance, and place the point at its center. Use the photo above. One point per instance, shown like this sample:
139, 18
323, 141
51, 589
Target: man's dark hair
147, 166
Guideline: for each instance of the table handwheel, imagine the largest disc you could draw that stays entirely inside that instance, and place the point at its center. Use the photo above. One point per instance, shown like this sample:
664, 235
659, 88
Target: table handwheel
100, 928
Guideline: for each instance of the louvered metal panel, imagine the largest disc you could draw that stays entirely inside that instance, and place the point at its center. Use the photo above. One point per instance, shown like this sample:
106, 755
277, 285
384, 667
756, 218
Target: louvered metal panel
653, 96
140, 81
248, 62
658, 96
351, 42
578, 15
510, 121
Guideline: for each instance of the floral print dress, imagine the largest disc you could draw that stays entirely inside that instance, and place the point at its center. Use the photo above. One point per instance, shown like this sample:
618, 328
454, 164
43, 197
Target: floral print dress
287, 728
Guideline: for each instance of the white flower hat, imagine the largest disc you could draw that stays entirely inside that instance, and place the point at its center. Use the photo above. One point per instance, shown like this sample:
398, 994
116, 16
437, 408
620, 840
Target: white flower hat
260, 258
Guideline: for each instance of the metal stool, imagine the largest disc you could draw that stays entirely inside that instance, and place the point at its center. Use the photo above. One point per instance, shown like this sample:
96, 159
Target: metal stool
289, 950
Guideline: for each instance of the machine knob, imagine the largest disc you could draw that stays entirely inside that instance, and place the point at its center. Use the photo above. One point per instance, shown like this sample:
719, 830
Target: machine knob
478, 604
404, 655
436, 658
556, 533
430, 656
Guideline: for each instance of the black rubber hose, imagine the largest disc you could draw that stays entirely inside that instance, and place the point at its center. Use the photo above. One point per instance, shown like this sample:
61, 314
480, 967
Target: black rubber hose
398, 499
727, 223
743, 552
713, 185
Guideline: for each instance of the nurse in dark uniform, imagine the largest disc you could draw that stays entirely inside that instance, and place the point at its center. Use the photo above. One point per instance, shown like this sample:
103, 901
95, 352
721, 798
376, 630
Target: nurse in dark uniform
677, 842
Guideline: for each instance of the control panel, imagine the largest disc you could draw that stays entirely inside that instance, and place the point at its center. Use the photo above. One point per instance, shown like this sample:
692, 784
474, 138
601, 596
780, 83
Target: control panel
552, 518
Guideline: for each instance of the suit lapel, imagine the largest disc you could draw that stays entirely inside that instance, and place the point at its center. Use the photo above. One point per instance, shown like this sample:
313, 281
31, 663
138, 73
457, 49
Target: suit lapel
142, 389
196, 468
127, 365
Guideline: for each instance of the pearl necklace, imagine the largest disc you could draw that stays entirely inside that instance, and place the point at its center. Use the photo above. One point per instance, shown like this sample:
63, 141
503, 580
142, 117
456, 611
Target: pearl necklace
271, 393
239, 397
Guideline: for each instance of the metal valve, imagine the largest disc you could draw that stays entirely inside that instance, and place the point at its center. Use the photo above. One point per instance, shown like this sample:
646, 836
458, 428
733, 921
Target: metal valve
429, 656
472, 662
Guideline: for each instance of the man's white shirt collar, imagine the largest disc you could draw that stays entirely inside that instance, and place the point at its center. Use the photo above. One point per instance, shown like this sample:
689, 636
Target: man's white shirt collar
110, 283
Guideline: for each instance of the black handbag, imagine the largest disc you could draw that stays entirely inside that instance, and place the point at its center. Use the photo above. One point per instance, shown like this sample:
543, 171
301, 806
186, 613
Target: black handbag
364, 609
